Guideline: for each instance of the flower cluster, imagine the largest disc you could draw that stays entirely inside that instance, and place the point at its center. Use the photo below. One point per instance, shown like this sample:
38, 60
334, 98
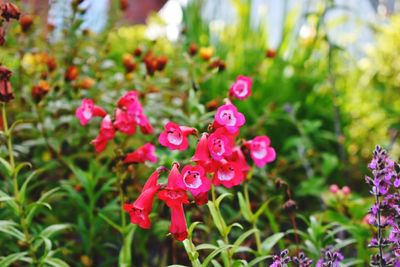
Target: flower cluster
127, 116
283, 259
385, 213
217, 160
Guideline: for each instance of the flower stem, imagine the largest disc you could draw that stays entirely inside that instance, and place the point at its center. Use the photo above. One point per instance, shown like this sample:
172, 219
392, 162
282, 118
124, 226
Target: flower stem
23, 223
378, 215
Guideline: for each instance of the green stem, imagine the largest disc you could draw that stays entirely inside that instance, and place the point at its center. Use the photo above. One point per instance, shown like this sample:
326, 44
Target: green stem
191, 251
23, 222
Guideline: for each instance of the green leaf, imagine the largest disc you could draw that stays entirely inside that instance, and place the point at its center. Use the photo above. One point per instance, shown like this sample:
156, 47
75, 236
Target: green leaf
10, 227
214, 254
192, 227
206, 246
217, 218
110, 222
220, 198
5, 168
258, 260
242, 238
41, 202
25, 185
271, 241
125, 255
52, 229
245, 208
10, 259
56, 262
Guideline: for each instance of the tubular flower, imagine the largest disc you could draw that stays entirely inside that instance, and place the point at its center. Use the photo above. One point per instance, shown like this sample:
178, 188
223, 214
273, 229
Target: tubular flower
228, 117
195, 181
88, 110
124, 123
136, 112
140, 209
228, 174
178, 227
260, 151
106, 133
142, 154
175, 137
220, 144
241, 88
129, 99
174, 194
238, 157
6, 92
201, 155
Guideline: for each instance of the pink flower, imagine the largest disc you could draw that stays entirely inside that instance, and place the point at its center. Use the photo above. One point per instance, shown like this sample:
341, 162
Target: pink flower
220, 144
238, 157
178, 227
175, 137
140, 209
88, 110
334, 188
137, 114
129, 99
201, 155
346, 190
174, 194
241, 88
195, 181
124, 122
228, 117
228, 174
142, 154
260, 151
106, 133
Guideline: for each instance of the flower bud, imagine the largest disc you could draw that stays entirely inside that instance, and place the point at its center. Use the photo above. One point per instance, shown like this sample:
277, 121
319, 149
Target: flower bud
9, 11
87, 83
2, 36
334, 189
6, 92
206, 53
128, 62
51, 63
40, 91
270, 53
192, 49
161, 62
26, 22
346, 190
137, 52
123, 5
290, 205
71, 74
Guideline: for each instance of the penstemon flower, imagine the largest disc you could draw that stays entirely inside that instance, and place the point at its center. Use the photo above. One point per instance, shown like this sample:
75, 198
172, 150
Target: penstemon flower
88, 110
241, 88
196, 182
140, 209
124, 123
175, 137
6, 92
228, 174
228, 116
260, 151
9, 11
142, 154
220, 144
106, 134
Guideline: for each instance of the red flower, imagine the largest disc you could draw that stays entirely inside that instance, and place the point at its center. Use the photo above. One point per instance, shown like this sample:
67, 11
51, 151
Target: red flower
195, 181
142, 154
220, 144
241, 89
175, 137
106, 133
178, 227
124, 122
228, 117
228, 174
9, 11
6, 92
88, 110
238, 157
260, 151
2, 36
174, 194
140, 209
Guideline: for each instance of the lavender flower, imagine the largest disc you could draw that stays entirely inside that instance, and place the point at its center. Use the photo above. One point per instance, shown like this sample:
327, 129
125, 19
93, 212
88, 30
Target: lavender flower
281, 260
330, 258
385, 212
302, 260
